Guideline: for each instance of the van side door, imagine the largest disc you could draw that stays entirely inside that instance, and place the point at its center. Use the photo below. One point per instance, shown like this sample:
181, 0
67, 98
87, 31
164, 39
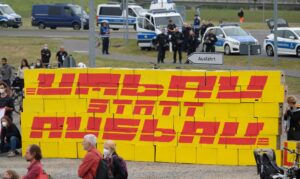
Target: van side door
54, 16
145, 32
68, 17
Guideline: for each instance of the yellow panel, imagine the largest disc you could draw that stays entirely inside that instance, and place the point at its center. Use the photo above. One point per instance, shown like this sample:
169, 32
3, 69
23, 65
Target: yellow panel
227, 157
54, 105
126, 151
67, 150
246, 157
207, 156
271, 126
186, 154
278, 154
76, 105
266, 110
33, 105
50, 149
270, 95
267, 141
80, 151
241, 110
144, 153
216, 110
287, 158
165, 153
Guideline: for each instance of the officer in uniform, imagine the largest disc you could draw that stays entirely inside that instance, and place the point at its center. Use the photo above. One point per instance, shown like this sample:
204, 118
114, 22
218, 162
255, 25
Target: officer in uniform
193, 44
209, 40
105, 33
162, 44
177, 41
197, 25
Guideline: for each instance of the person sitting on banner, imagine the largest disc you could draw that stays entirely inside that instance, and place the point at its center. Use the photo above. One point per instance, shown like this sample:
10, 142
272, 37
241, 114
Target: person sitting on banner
292, 123
6, 101
10, 137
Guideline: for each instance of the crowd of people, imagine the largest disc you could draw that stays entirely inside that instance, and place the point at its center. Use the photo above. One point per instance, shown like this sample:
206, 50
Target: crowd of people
185, 40
95, 165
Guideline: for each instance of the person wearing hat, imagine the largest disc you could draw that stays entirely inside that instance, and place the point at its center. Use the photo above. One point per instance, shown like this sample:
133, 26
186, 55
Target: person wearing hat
105, 33
45, 55
61, 55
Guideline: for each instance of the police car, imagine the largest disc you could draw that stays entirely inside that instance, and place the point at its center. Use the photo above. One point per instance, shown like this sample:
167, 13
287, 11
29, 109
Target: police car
150, 26
230, 38
8, 17
288, 42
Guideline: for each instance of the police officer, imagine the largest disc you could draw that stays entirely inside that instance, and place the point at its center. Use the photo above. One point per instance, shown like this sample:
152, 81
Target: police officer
209, 40
292, 127
171, 27
197, 25
105, 33
162, 44
45, 55
193, 44
186, 34
177, 41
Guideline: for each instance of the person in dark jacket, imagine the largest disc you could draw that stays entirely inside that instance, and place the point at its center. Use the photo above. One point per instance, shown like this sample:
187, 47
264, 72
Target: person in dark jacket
171, 27
177, 41
105, 33
45, 55
10, 137
162, 44
293, 127
61, 55
186, 35
6, 71
6, 100
203, 28
193, 44
39, 64
196, 25
115, 168
209, 40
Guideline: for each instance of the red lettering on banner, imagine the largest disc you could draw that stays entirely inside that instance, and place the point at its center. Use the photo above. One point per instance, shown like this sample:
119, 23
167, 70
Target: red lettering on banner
74, 124
285, 156
149, 130
46, 82
148, 106
228, 136
120, 129
192, 106
228, 86
121, 105
131, 84
205, 85
167, 107
39, 126
98, 106
110, 83
207, 136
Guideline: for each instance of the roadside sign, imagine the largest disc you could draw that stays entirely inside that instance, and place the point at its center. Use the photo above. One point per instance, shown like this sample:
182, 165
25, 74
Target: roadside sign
207, 58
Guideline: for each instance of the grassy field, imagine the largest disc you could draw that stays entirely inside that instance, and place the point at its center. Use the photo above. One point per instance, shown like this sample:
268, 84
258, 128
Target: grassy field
12, 49
215, 15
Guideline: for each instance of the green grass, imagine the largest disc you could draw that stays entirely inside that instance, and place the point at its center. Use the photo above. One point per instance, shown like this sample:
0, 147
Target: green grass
293, 85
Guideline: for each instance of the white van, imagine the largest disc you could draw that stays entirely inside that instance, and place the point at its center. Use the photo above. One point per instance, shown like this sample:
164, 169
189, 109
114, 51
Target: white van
116, 17
162, 4
150, 26
8, 17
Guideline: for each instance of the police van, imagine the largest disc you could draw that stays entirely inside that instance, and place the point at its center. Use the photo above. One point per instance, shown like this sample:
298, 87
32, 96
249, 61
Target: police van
150, 26
8, 17
288, 42
230, 38
116, 17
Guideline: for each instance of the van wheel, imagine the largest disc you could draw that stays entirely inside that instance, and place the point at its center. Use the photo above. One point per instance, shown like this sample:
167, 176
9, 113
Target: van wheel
298, 52
4, 25
134, 27
42, 25
115, 29
16, 26
269, 50
76, 26
53, 28
227, 50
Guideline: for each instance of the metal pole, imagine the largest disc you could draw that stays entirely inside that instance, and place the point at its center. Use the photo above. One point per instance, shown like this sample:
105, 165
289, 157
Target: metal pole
263, 11
123, 7
275, 32
92, 40
127, 30
81, 2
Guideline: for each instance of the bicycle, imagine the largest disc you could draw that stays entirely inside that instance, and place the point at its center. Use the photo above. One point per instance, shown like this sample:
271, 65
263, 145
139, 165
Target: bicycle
17, 96
292, 172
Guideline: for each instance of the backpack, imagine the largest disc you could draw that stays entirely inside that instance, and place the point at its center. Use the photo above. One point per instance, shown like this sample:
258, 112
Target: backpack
266, 163
124, 170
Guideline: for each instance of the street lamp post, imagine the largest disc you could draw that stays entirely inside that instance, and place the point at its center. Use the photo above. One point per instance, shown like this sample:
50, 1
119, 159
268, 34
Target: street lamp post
92, 40
275, 32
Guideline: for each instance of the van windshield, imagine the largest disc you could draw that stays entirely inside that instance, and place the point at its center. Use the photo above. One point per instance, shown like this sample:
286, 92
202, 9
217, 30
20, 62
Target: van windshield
140, 11
77, 10
164, 21
7, 10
